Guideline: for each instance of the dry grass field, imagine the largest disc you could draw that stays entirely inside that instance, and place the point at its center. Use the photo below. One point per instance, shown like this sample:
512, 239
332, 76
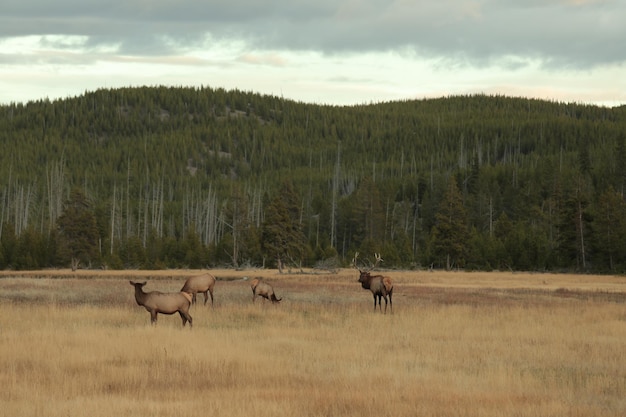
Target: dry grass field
457, 344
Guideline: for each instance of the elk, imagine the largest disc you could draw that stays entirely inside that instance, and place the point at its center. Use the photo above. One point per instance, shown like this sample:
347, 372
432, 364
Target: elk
165, 303
379, 285
263, 289
200, 284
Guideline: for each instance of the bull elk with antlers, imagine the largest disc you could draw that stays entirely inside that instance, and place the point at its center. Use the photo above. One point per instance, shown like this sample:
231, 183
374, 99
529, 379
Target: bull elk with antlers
380, 286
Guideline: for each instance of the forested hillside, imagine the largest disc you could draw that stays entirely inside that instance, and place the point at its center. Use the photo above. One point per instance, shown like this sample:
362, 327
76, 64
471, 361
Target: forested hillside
160, 177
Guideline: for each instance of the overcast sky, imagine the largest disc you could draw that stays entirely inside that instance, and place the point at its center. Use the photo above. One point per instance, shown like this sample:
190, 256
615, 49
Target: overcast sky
323, 51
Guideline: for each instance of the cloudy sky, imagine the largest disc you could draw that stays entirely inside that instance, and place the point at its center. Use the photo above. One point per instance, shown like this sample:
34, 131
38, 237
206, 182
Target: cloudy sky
322, 51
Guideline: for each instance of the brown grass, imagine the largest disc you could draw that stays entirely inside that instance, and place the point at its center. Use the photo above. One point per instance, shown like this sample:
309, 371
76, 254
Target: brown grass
458, 344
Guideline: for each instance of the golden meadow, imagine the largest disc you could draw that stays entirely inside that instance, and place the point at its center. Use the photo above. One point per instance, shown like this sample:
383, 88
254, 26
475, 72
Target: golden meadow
457, 344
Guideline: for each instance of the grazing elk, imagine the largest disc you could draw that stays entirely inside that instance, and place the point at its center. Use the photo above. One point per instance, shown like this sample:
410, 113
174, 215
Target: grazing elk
200, 284
165, 303
379, 285
263, 289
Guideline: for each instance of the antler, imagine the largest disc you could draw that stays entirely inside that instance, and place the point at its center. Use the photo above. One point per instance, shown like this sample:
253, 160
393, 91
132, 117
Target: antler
379, 259
356, 255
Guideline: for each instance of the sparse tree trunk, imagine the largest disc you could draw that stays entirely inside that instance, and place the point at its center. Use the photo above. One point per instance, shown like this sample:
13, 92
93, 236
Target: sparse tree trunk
236, 216
55, 184
128, 222
582, 235
490, 217
113, 216
2, 211
333, 214
75, 263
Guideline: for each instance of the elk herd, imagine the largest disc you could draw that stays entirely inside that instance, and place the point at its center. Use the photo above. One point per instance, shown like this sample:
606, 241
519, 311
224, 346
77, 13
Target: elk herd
156, 302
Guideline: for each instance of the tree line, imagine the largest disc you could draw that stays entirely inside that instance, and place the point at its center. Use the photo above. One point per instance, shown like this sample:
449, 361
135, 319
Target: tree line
160, 177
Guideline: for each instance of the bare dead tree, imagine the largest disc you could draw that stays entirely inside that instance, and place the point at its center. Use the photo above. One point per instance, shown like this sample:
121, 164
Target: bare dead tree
113, 216
55, 184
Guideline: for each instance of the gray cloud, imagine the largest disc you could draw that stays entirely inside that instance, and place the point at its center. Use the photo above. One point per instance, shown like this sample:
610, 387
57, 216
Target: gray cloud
573, 33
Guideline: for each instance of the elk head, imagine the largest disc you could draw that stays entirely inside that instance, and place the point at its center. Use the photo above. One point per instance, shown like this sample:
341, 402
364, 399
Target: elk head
365, 273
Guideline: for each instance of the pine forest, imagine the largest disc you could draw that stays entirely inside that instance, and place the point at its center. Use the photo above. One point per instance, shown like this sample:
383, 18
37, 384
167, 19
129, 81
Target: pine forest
177, 177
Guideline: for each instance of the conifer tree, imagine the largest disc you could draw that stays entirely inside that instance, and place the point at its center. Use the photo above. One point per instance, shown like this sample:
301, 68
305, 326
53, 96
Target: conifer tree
574, 229
368, 211
282, 236
78, 231
610, 229
450, 233
8, 246
620, 162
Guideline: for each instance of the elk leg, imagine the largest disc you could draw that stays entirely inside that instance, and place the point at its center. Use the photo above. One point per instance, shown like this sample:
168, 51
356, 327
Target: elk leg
211, 292
193, 298
185, 317
153, 316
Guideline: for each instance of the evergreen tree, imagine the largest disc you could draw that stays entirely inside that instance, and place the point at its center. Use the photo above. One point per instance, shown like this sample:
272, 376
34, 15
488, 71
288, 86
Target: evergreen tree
31, 250
196, 255
133, 254
238, 225
610, 230
78, 231
503, 232
283, 236
448, 245
620, 162
368, 212
484, 251
8, 246
574, 229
